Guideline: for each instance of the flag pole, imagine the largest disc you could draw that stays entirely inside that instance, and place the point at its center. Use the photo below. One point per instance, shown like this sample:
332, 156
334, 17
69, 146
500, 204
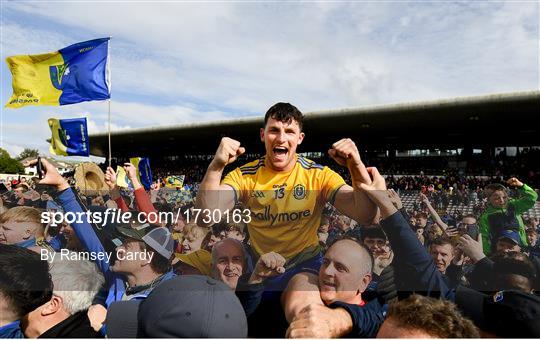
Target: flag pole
109, 84
110, 133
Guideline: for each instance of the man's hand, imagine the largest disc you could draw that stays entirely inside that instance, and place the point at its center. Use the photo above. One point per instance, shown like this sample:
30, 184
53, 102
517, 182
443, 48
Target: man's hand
471, 248
52, 176
228, 151
130, 171
97, 315
451, 231
268, 265
424, 199
110, 178
514, 182
318, 321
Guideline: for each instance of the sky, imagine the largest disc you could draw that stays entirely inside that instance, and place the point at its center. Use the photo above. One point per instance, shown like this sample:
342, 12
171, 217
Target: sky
185, 62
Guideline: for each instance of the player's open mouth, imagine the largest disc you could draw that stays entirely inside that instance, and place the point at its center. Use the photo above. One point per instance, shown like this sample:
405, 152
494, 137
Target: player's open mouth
280, 150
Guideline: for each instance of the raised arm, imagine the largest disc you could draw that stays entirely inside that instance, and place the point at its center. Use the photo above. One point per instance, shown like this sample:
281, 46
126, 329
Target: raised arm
212, 194
351, 200
142, 199
110, 180
433, 212
528, 196
69, 203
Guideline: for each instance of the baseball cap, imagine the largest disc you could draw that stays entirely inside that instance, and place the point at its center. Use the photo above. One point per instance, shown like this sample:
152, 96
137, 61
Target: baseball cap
448, 220
511, 235
188, 306
158, 238
508, 314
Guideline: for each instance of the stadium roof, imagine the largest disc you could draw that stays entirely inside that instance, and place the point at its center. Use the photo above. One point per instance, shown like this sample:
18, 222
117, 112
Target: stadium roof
506, 119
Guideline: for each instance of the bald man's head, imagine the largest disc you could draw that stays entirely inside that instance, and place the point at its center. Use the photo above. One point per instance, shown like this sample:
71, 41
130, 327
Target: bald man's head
345, 272
228, 261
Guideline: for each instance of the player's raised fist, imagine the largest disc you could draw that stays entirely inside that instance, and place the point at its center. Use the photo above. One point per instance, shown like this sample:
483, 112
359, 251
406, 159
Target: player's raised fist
228, 151
345, 153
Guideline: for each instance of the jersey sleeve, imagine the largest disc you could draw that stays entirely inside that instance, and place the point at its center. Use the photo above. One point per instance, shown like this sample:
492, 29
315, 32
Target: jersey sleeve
234, 180
331, 182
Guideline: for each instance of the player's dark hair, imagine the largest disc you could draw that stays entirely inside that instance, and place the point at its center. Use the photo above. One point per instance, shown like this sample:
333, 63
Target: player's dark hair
284, 112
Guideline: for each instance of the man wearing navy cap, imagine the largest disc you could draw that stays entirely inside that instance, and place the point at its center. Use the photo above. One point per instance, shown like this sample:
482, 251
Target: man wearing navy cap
508, 240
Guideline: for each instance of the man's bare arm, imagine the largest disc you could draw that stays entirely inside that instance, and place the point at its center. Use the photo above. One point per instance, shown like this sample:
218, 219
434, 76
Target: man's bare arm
212, 194
351, 200
433, 212
356, 205
302, 291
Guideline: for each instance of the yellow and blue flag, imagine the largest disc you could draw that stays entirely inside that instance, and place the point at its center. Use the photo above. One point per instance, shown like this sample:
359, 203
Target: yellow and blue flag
122, 179
71, 75
174, 181
69, 137
144, 173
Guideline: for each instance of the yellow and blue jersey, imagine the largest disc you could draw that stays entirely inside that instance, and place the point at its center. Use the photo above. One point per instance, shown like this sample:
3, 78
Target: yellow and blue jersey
285, 207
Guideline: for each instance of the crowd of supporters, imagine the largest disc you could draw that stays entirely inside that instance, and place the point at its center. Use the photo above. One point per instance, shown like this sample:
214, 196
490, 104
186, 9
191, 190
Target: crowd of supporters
246, 255
65, 298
